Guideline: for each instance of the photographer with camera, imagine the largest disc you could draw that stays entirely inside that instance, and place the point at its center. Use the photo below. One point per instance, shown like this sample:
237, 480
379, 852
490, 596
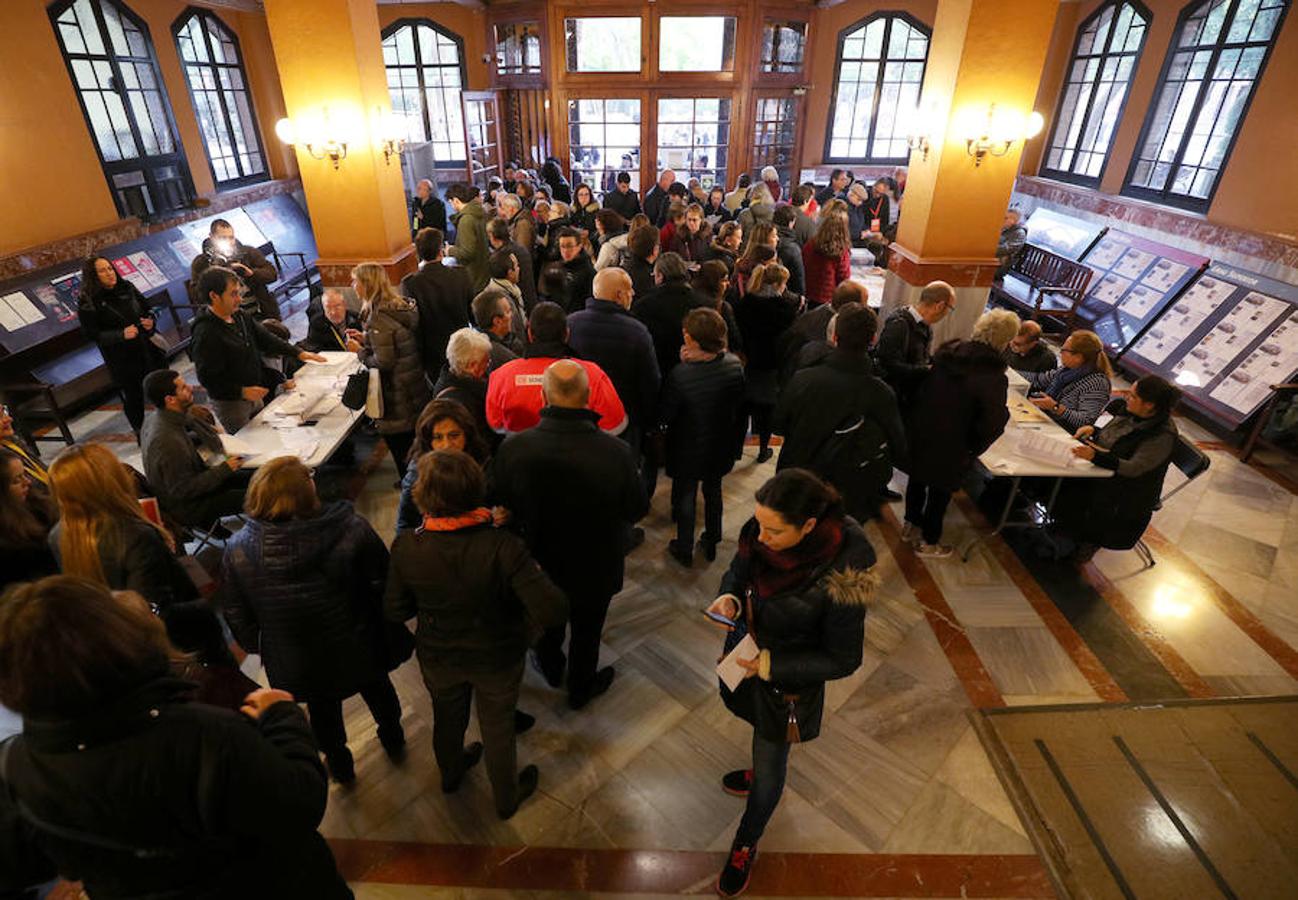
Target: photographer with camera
220, 248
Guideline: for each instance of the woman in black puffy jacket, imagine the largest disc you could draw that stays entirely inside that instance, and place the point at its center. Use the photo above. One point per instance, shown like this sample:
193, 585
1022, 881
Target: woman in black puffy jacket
799, 585
303, 585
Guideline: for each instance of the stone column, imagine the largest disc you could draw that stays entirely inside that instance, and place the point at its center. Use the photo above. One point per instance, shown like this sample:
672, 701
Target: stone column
982, 52
330, 60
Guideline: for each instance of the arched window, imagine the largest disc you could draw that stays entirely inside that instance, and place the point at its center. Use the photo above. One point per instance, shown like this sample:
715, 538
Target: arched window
876, 90
1219, 50
1104, 57
218, 87
115, 72
425, 78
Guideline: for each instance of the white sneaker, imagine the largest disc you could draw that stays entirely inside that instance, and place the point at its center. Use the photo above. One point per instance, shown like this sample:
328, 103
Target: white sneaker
934, 551
909, 532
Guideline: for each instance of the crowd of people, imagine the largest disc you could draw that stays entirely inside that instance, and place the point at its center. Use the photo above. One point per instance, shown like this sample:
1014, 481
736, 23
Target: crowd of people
537, 375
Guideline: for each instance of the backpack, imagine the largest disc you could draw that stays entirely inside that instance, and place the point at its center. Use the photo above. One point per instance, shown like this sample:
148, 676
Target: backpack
855, 460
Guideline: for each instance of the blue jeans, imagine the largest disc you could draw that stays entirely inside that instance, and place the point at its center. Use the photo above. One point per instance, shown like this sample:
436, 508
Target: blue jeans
770, 764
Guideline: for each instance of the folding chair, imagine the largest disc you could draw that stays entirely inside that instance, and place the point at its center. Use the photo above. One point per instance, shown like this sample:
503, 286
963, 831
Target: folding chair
1191, 462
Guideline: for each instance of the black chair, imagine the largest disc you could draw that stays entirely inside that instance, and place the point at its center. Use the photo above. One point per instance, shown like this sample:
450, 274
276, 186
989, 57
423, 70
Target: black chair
1191, 462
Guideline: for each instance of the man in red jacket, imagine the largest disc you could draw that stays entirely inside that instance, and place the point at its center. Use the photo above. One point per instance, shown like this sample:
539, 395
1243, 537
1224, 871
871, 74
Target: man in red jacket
514, 398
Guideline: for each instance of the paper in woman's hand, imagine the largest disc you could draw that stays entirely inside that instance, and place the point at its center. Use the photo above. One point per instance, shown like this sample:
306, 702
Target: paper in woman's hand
729, 670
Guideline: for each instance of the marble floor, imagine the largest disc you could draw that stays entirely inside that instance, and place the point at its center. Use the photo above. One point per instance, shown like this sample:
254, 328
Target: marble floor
897, 798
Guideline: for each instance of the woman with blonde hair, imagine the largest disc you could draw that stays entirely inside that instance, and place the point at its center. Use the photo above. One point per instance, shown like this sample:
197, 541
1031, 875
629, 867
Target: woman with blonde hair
302, 584
1075, 393
827, 257
104, 537
764, 313
391, 346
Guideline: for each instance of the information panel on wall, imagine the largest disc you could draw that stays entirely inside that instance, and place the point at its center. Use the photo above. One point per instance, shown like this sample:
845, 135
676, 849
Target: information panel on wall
1061, 234
1134, 280
1229, 337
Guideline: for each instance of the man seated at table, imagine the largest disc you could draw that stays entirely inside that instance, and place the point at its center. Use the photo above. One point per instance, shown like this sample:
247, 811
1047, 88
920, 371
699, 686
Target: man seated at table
337, 328
227, 346
514, 398
1027, 352
178, 442
1137, 445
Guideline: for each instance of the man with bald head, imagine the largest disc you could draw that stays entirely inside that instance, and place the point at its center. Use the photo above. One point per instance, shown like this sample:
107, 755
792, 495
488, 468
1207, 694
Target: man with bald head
336, 328
606, 333
905, 343
573, 492
1027, 352
427, 209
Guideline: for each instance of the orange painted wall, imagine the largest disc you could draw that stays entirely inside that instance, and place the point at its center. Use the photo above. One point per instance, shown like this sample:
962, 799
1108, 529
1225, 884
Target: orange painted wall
1259, 187
49, 169
468, 24
823, 54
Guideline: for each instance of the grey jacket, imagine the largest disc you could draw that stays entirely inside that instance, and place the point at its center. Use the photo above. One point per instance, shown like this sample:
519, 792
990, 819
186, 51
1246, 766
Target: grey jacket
170, 443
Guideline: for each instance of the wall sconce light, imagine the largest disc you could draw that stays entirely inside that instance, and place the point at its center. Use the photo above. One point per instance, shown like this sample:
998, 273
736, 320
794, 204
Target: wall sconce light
924, 126
322, 146
388, 136
998, 131
918, 142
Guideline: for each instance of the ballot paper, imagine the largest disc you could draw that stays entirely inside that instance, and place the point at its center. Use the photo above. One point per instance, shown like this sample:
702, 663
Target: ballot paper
729, 670
1035, 445
237, 446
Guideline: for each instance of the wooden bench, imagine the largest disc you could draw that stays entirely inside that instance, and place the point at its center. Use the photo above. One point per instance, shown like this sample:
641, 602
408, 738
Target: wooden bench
1043, 285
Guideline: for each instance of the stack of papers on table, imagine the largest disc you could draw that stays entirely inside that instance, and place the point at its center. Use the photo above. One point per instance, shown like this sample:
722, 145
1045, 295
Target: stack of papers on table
1039, 447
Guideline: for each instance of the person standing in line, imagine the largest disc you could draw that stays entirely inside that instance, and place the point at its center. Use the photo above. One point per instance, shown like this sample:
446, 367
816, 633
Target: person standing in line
302, 584
392, 347
470, 221
764, 313
498, 235
827, 258
657, 200
799, 585
623, 201
227, 346
427, 209
573, 492
116, 317
904, 348
700, 413
194, 801
442, 295
480, 600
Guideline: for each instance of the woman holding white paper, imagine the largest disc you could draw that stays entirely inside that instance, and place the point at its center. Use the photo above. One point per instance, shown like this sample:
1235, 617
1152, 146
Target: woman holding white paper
798, 586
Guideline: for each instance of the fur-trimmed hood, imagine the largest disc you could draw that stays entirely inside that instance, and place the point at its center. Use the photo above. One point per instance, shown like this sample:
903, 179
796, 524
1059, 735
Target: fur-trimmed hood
852, 586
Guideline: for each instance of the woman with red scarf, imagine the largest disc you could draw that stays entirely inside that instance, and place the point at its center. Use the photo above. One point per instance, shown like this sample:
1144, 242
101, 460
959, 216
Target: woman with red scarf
481, 600
799, 584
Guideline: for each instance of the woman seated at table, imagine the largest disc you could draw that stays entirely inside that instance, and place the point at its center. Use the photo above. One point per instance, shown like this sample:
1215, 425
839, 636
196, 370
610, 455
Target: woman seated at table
1075, 393
1137, 445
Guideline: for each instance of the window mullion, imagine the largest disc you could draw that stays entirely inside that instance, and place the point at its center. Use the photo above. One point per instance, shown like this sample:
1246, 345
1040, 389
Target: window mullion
878, 88
220, 95
119, 86
1195, 109
423, 88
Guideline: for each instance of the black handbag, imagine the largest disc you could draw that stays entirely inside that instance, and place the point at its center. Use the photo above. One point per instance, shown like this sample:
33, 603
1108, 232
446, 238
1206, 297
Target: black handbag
358, 386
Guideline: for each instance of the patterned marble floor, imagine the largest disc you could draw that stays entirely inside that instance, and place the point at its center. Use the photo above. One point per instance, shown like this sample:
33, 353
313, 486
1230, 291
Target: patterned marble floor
898, 772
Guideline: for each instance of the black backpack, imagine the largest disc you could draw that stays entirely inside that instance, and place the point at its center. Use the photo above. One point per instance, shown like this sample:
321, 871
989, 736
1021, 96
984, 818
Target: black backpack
855, 460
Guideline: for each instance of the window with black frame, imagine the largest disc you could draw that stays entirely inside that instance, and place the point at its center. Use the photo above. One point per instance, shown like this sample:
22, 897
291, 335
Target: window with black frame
784, 46
1219, 50
218, 87
694, 138
877, 84
1107, 50
115, 71
425, 67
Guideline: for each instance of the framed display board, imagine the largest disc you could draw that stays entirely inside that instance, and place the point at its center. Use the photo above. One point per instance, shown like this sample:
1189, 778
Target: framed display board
1229, 337
1134, 281
1061, 234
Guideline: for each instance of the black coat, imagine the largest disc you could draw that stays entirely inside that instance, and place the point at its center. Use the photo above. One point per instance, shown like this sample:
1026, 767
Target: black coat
479, 596
655, 206
573, 491
833, 395
1114, 512
814, 633
762, 319
663, 312
642, 275
229, 805
306, 594
579, 276
323, 336
626, 205
105, 316
430, 213
701, 412
227, 355
135, 557
789, 253
443, 296
903, 352
472, 394
608, 335
959, 411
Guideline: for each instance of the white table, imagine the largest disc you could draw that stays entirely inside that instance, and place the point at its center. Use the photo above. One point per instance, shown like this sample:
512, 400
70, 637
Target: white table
867, 273
317, 397
1003, 458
